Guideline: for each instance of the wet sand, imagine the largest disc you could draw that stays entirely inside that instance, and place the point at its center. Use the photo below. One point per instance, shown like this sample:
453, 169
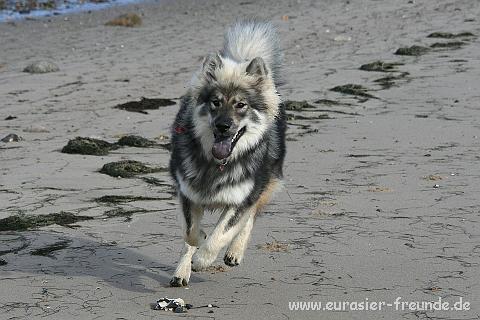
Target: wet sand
381, 181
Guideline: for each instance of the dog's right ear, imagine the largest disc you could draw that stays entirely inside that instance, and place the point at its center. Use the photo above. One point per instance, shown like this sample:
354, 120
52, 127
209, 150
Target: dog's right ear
210, 64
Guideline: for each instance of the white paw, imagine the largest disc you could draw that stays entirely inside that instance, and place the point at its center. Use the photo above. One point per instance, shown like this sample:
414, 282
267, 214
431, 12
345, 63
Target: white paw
181, 276
202, 259
233, 258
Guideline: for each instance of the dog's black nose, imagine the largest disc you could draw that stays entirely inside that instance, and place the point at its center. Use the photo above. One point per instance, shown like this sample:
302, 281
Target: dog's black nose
223, 126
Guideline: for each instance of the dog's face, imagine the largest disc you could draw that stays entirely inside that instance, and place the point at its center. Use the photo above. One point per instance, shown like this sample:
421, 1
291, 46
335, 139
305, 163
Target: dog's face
235, 105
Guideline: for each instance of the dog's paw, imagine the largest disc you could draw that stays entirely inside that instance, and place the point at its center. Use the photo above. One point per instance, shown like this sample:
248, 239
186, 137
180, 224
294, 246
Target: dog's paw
231, 260
178, 282
202, 259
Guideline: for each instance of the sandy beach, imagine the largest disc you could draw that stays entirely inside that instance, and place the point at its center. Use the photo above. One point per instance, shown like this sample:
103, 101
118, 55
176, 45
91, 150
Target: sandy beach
381, 196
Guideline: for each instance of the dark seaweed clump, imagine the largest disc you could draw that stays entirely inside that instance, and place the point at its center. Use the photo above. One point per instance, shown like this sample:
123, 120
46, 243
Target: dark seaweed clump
122, 199
380, 66
353, 89
25, 222
329, 102
135, 141
448, 35
48, 251
128, 168
447, 45
412, 51
145, 104
291, 116
126, 20
297, 105
120, 212
89, 146
97, 147
390, 81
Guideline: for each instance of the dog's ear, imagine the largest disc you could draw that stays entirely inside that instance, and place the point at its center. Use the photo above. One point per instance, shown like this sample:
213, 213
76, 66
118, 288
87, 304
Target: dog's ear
210, 64
257, 68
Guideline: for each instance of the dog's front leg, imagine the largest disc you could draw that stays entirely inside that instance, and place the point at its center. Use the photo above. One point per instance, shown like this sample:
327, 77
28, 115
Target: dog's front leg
229, 224
236, 249
194, 236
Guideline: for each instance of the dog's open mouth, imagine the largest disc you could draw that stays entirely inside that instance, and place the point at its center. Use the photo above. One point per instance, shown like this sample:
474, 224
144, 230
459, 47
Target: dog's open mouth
223, 146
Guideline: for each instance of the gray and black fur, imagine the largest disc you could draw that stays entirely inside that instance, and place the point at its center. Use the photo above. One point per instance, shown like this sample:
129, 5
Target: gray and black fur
228, 144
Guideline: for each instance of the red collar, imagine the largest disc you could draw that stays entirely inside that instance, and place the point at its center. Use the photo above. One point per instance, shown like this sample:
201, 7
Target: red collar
179, 129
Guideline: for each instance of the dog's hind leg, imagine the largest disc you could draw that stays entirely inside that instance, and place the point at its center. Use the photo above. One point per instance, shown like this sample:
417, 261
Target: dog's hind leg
228, 226
236, 250
194, 236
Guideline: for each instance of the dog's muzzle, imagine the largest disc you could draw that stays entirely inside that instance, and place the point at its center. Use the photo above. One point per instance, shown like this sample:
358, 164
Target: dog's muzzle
223, 145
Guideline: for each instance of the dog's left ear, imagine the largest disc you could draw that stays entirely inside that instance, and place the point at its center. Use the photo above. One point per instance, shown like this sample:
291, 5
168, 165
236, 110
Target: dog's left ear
210, 64
257, 68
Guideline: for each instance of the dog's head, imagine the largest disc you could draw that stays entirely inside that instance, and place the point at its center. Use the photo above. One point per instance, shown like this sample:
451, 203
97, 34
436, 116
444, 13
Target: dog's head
235, 104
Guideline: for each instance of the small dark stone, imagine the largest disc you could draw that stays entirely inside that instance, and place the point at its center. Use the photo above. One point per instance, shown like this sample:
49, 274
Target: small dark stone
2, 262
12, 137
188, 306
135, 141
412, 51
10, 118
210, 311
41, 67
89, 146
145, 104
180, 309
128, 168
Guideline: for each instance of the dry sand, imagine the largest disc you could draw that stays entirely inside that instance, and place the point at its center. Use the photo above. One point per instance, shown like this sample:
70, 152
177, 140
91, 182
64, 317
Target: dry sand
357, 219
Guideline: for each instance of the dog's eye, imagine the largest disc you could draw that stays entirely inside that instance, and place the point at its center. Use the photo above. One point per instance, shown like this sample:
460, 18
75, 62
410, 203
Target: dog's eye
216, 102
240, 105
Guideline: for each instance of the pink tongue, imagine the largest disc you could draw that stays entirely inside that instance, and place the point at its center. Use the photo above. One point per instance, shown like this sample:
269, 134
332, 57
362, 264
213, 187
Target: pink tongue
221, 149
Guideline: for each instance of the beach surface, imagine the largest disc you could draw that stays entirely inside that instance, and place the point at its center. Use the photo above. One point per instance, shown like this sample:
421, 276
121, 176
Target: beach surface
381, 192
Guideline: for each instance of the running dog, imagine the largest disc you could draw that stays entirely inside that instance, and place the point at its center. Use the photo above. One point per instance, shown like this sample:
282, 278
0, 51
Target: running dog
228, 145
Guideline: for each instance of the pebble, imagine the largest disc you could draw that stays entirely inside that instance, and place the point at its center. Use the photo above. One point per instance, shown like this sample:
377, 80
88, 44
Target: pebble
436, 186
342, 38
36, 129
180, 309
41, 67
12, 137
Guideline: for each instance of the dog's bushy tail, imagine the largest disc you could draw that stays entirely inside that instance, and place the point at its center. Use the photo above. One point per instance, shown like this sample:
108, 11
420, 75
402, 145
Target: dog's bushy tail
251, 38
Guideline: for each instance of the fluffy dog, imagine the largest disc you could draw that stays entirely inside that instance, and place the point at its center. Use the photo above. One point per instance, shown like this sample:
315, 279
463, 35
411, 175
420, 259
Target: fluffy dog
228, 144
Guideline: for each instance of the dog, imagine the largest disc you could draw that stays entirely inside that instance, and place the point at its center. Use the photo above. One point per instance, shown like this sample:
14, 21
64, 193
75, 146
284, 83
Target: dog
228, 145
